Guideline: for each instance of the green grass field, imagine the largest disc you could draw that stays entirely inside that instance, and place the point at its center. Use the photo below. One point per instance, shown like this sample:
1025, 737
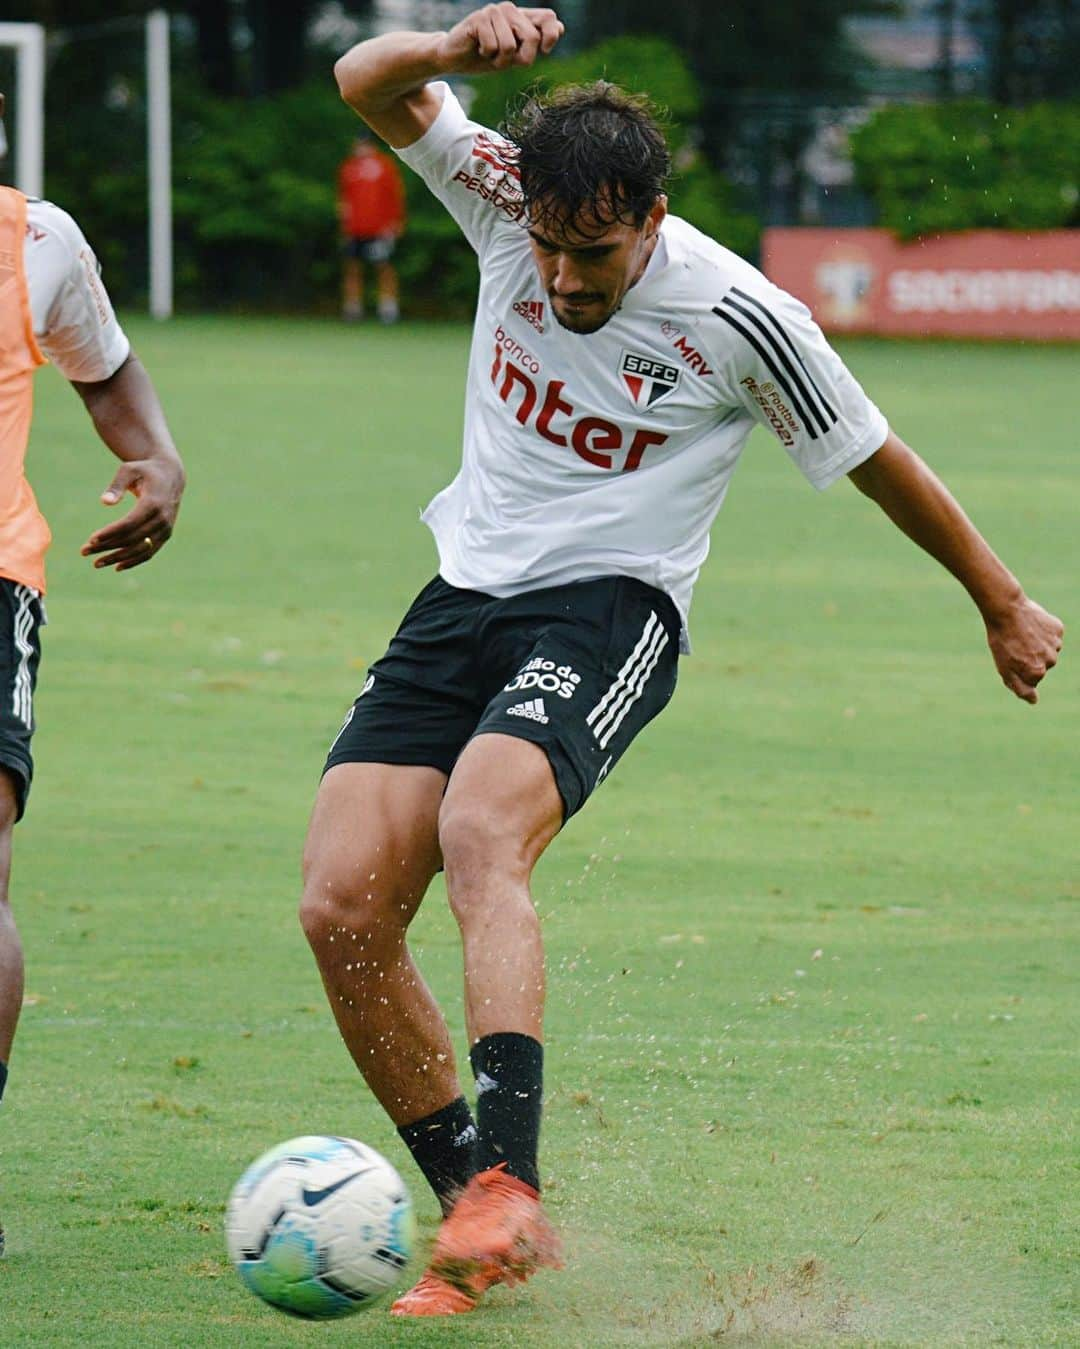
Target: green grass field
811, 1060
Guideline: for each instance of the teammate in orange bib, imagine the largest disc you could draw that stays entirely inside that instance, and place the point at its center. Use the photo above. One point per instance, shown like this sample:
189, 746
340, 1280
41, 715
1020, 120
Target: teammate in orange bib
53, 306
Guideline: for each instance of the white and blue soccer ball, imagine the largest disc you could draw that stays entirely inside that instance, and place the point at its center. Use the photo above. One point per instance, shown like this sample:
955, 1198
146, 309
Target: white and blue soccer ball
320, 1227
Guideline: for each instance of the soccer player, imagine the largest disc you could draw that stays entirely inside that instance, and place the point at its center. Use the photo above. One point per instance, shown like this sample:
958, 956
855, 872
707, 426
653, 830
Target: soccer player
53, 305
620, 360
371, 207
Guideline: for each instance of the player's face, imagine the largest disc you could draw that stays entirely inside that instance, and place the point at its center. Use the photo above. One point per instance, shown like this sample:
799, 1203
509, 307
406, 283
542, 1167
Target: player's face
586, 271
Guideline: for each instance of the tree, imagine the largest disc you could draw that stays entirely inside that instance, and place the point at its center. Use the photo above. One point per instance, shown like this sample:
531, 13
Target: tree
784, 46
1032, 48
243, 47
214, 43
765, 69
278, 32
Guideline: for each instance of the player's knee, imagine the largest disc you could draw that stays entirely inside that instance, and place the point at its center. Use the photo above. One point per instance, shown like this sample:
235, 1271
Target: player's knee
478, 841
338, 908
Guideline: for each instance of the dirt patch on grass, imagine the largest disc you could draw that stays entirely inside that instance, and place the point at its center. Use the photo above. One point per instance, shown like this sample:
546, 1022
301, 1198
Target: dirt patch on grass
800, 1304
610, 1295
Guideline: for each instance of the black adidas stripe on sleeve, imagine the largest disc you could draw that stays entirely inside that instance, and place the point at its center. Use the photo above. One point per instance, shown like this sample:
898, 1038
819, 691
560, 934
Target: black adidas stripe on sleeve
759, 327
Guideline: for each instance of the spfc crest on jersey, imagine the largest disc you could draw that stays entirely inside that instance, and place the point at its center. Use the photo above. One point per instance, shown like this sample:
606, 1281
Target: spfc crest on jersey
647, 380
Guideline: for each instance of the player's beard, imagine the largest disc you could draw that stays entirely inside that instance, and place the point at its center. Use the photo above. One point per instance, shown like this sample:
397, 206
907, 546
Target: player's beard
582, 320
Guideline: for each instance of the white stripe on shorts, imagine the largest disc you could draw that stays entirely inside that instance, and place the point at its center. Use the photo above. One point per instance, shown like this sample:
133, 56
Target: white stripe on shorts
644, 674
629, 683
619, 679
21, 696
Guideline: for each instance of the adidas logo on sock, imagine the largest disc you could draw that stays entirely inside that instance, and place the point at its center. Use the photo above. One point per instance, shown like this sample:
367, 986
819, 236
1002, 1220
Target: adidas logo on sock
533, 708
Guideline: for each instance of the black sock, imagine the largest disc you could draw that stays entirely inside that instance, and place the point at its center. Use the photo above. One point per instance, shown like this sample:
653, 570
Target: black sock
509, 1071
443, 1146
3, 1078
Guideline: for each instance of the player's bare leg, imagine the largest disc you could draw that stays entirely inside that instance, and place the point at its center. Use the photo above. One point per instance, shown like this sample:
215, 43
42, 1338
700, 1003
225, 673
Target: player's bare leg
11, 954
386, 282
371, 852
502, 809
352, 289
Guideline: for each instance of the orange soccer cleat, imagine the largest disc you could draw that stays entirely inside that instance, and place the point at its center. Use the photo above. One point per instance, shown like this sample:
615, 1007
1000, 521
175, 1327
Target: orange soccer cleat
497, 1232
433, 1296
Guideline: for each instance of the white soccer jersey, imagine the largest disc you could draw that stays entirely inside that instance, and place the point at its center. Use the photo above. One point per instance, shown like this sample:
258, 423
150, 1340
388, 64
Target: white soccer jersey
611, 452
74, 323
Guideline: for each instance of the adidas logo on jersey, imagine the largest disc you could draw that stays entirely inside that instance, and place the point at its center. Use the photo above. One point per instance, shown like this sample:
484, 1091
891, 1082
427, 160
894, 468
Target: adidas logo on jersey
532, 708
532, 311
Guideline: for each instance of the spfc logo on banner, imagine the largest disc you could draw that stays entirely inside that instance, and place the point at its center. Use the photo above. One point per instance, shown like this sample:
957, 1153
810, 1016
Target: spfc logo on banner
648, 381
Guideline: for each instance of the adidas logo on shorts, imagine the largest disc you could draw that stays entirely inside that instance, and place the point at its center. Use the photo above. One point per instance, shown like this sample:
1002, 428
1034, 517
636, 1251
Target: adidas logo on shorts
533, 708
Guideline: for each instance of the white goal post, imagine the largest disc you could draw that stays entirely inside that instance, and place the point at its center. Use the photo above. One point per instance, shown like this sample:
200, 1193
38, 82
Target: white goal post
159, 163
28, 40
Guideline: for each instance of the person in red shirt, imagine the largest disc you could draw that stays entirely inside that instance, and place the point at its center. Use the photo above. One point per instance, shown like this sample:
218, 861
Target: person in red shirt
371, 206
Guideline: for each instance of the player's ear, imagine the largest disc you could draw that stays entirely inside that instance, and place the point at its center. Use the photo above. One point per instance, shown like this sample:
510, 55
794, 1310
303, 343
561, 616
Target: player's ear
655, 218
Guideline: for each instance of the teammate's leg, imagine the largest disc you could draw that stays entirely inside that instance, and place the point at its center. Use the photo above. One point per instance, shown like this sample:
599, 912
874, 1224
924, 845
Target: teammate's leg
371, 852
21, 619
11, 954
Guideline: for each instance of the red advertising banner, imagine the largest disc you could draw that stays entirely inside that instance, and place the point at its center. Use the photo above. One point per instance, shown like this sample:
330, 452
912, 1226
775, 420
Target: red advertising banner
984, 283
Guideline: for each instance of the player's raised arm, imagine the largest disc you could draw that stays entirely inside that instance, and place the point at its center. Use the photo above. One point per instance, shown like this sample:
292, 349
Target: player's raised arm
384, 80
1024, 639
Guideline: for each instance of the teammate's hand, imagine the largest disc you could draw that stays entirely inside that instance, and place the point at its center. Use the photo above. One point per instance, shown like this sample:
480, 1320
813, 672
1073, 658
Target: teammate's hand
1025, 645
157, 486
497, 37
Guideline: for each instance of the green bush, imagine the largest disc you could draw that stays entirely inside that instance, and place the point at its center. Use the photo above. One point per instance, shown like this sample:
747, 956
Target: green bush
255, 198
933, 169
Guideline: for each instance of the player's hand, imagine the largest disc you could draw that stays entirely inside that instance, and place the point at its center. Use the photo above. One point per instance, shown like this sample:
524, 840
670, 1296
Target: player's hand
157, 485
1025, 644
498, 37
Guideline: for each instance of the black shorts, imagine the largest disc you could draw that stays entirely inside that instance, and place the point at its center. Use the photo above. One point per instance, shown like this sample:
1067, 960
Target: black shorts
577, 669
375, 248
22, 616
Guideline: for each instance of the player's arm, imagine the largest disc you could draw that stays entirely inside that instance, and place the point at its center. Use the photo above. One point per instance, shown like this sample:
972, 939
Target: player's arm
77, 330
128, 417
384, 80
1024, 639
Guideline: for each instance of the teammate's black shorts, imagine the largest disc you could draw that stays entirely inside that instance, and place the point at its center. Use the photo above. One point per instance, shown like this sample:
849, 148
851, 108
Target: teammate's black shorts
370, 248
22, 616
577, 669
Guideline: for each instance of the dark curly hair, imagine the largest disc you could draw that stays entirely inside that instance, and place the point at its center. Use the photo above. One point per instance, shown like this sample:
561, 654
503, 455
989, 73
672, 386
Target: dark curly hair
589, 154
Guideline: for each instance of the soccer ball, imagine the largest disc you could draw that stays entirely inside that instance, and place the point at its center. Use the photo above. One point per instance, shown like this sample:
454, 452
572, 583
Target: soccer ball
320, 1227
